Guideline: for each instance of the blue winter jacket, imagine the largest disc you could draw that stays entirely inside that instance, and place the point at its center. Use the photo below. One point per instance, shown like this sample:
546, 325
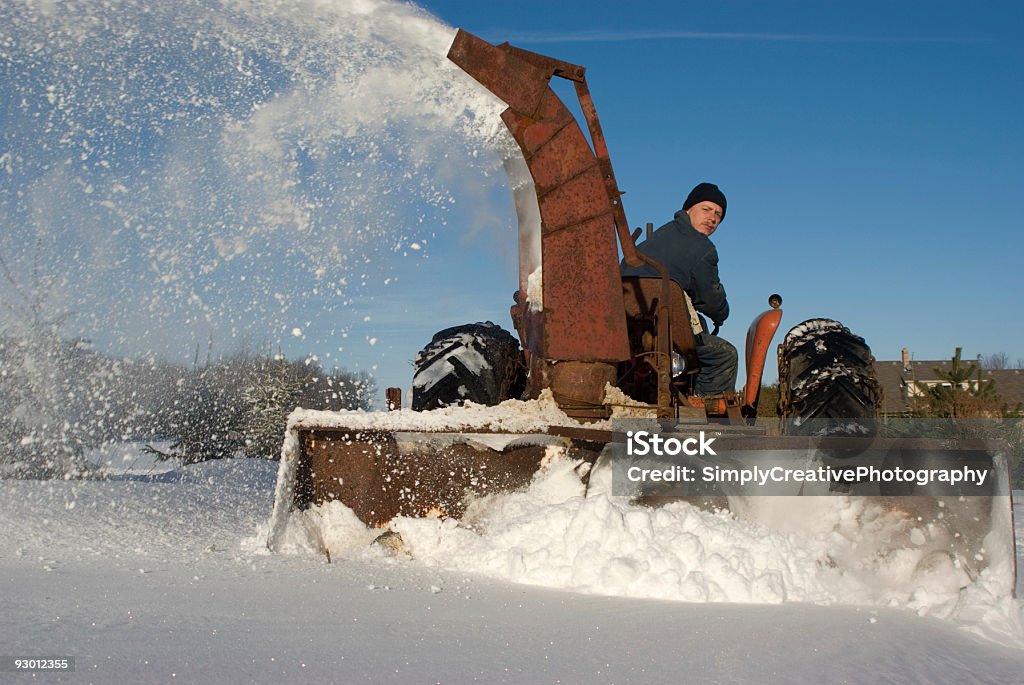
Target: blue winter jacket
691, 260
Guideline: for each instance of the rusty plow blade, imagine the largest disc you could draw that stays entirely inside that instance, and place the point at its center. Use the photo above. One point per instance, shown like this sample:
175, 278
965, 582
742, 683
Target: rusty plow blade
406, 463
417, 464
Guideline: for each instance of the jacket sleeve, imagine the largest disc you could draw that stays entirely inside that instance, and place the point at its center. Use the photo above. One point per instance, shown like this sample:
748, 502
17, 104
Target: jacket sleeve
708, 293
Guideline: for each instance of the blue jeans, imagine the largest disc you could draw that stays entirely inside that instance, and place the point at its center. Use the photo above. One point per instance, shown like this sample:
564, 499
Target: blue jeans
718, 365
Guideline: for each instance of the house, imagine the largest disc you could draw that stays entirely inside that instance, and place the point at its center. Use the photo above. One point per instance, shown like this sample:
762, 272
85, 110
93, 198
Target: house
901, 381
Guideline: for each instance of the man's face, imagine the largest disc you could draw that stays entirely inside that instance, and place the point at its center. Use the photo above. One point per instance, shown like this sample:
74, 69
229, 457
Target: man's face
705, 216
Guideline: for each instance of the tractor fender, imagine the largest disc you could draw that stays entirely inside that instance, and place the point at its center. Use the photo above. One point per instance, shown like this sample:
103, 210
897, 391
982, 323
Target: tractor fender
759, 339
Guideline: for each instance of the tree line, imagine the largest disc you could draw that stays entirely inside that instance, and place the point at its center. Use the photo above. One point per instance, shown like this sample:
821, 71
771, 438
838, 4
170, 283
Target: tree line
60, 398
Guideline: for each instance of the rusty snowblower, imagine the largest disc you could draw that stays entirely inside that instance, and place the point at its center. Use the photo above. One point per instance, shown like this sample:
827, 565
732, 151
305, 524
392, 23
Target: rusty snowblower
599, 359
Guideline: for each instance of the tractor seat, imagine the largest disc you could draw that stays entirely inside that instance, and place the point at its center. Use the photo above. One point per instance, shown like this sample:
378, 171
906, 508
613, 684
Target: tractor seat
642, 296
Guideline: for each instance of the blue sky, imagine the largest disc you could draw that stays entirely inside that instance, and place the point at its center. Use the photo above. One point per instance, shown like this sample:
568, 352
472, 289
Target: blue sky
870, 153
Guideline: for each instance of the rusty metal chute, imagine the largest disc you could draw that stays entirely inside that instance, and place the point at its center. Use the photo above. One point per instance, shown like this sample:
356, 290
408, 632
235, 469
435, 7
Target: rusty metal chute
584, 319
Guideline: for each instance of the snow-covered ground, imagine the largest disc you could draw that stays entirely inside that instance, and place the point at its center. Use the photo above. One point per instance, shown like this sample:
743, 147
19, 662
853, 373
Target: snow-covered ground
159, 574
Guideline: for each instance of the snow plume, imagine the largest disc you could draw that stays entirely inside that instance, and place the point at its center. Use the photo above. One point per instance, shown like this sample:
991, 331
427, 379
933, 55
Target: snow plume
553, 535
228, 168
191, 180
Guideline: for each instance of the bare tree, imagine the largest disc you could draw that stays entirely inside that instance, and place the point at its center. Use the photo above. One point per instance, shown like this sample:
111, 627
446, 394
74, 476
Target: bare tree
996, 360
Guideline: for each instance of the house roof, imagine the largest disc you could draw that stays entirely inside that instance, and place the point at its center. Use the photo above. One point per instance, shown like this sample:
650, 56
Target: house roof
895, 376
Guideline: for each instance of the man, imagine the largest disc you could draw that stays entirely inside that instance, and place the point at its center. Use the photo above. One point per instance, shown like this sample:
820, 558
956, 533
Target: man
684, 247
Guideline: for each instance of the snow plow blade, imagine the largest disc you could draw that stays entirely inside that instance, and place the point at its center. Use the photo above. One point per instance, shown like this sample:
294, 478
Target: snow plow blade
384, 474
410, 464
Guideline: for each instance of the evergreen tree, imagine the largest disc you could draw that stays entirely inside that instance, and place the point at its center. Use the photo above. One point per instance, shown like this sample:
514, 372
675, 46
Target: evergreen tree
270, 396
962, 393
39, 382
210, 418
44, 437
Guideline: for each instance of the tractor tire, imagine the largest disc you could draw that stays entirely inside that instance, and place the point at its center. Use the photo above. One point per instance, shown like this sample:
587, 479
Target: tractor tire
479, 362
827, 381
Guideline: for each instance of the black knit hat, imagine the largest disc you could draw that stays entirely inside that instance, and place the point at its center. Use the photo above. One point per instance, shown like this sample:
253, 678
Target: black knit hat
705, 192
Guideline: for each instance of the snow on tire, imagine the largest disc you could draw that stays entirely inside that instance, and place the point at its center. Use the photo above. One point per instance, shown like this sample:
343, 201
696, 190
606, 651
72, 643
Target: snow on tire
826, 374
478, 362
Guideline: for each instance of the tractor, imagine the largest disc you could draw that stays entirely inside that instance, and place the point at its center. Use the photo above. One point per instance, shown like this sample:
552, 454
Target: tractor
597, 356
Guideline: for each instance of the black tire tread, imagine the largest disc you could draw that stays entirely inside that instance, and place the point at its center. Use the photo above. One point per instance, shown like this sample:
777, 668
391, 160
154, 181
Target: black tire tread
826, 372
504, 377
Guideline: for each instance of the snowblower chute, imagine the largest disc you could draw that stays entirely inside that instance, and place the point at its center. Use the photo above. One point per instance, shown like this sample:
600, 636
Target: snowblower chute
599, 364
